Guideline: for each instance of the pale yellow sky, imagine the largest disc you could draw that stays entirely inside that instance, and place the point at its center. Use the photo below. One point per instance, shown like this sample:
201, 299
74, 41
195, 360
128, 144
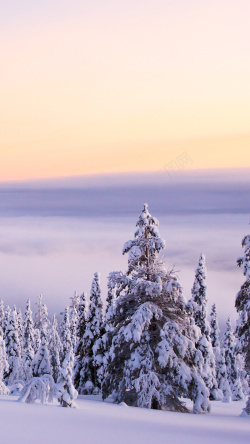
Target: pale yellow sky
124, 86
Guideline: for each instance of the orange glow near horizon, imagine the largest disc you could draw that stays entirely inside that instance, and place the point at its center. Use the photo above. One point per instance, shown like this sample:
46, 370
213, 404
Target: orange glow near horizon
125, 88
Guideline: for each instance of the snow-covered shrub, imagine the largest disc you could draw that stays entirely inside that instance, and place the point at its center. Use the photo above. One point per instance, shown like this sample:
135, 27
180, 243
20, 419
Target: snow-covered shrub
16, 388
3, 389
38, 388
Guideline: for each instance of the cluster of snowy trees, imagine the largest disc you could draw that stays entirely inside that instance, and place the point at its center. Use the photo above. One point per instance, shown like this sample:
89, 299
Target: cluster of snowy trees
149, 348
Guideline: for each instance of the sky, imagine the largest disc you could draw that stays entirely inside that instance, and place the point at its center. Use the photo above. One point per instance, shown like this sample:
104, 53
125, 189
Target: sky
104, 86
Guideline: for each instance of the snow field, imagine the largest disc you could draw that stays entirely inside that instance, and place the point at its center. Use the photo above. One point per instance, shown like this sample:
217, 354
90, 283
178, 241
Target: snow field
97, 422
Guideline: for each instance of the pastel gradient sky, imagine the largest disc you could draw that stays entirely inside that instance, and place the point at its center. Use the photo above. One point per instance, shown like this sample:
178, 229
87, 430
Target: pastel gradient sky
108, 86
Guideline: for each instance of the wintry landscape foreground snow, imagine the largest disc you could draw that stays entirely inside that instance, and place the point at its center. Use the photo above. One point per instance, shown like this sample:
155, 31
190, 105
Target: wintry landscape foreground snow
97, 422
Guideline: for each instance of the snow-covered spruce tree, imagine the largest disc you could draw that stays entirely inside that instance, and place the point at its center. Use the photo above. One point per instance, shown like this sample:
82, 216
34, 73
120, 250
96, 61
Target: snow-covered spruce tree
4, 366
41, 362
55, 348
230, 360
242, 305
41, 317
6, 319
88, 377
219, 359
103, 343
80, 349
222, 377
28, 351
73, 318
37, 340
214, 329
65, 334
19, 317
152, 360
13, 350
197, 307
1, 317
66, 392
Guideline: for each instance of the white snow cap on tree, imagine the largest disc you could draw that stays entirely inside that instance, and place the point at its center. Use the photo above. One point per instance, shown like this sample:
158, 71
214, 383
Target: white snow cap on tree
144, 249
41, 317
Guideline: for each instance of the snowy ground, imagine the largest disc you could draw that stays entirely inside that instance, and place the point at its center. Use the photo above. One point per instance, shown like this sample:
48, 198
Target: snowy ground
97, 422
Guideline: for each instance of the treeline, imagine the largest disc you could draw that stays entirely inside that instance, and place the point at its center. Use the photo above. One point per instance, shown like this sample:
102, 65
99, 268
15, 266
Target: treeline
149, 348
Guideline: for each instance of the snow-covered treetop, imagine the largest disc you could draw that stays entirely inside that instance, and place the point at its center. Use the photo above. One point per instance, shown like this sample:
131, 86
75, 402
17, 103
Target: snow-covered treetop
41, 316
245, 260
199, 287
75, 300
94, 315
143, 250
